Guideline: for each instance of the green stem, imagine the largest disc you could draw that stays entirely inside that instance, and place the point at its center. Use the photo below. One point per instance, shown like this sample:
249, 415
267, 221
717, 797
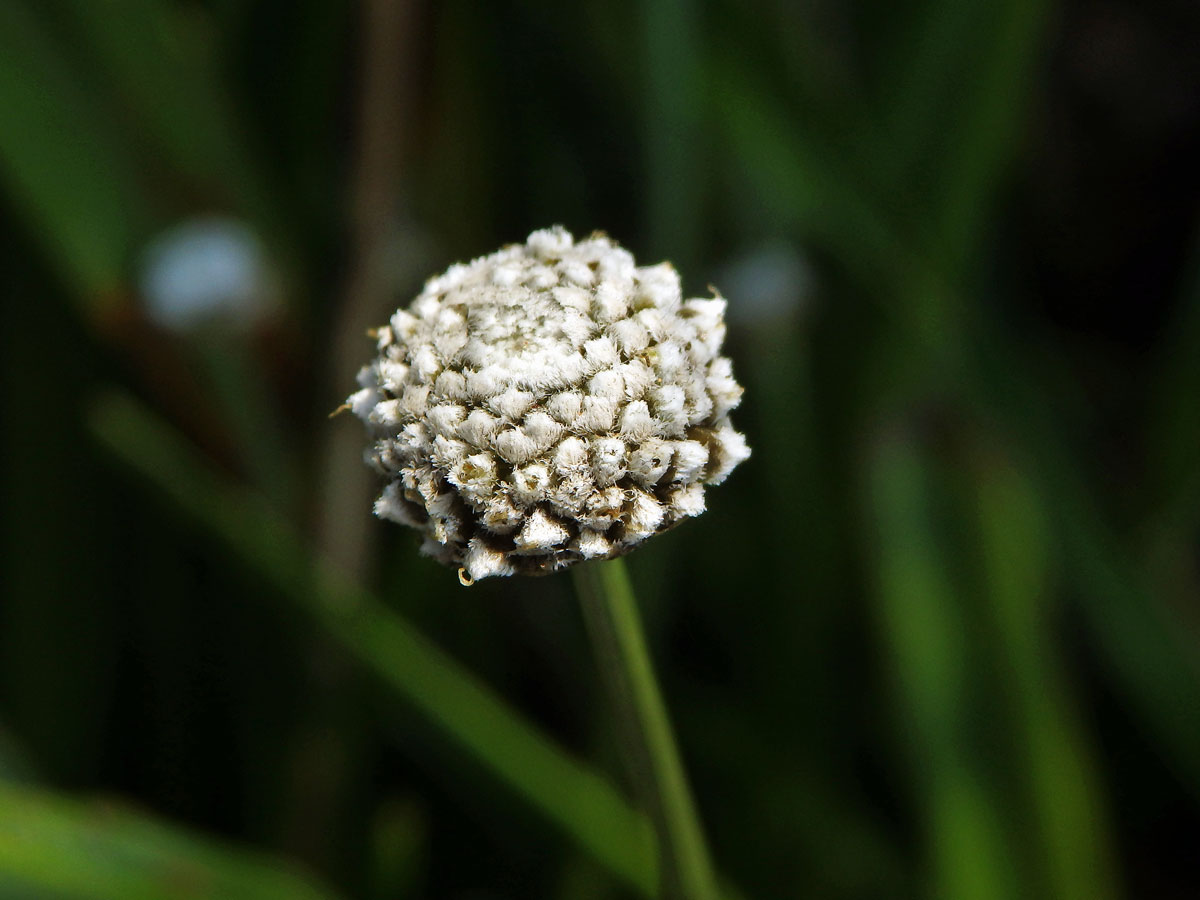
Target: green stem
610, 612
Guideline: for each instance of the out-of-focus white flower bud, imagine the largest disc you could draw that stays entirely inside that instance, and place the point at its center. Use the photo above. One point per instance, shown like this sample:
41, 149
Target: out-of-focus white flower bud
207, 271
548, 404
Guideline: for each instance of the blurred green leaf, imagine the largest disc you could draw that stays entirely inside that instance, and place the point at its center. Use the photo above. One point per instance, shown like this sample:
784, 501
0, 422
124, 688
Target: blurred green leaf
1154, 659
920, 80
158, 58
399, 839
797, 179
1073, 839
986, 123
804, 184
235, 379
921, 618
970, 858
62, 162
61, 847
924, 627
580, 802
15, 765
674, 178
1174, 428
797, 176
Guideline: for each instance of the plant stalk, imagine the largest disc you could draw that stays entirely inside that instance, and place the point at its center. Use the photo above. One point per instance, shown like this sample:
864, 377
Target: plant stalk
647, 739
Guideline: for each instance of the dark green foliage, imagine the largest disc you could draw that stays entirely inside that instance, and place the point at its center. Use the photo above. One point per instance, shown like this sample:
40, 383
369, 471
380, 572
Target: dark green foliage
938, 638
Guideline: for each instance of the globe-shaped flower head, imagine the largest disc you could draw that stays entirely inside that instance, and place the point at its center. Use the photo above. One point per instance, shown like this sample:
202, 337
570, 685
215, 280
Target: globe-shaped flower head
548, 404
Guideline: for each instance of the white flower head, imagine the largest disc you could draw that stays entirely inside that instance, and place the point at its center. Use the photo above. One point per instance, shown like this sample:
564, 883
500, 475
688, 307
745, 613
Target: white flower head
547, 404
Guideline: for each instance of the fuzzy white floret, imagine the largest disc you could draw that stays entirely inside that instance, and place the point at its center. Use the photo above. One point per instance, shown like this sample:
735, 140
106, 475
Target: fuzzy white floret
475, 478
386, 413
500, 516
448, 453
591, 544
597, 415
542, 429
631, 336
608, 460
571, 454
577, 273
687, 500
636, 422
391, 506
609, 302
660, 286
650, 461
607, 385
550, 242
512, 404
602, 509
540, 532
565, 406
515, 446
690, 460
362, 403
730, 450
482, 561
637, 378
531, 484
446, 417
451, 386
601, 353
478, 428
645, 516
414, 402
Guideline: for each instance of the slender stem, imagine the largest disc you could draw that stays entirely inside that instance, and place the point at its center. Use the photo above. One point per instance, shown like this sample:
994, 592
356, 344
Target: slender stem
610, 612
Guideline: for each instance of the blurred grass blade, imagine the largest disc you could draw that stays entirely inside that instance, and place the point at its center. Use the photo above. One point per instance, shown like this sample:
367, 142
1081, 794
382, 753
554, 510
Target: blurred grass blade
15, 764
796, 180
1154, 658
800, 181
51, 846
675, 170
923, 625
920, 80
157, 58
62, 162
1072, 834
1175, 424
236, 381
921, 621
955, 93
983, 133
796, 175
583, 804
970, 860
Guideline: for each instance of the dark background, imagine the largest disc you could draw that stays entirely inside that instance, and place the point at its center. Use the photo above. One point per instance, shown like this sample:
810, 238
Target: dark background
939, 637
